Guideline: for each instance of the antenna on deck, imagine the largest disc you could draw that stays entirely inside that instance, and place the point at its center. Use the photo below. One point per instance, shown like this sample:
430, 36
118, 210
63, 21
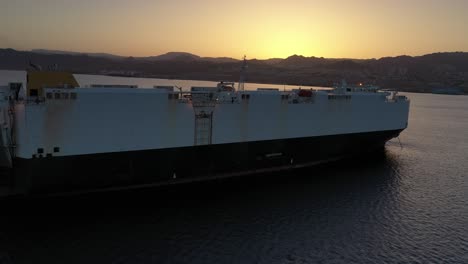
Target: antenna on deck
242, 75
36, 67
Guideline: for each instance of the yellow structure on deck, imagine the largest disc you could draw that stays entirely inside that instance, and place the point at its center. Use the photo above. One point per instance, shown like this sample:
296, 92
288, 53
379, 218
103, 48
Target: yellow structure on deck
38, 80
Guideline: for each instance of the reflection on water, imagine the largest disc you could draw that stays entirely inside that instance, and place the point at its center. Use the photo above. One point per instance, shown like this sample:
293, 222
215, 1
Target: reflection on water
350, 211
252, 219
407, 205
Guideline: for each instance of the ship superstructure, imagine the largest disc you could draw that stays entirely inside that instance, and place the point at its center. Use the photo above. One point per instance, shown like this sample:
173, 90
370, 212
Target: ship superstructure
57, 136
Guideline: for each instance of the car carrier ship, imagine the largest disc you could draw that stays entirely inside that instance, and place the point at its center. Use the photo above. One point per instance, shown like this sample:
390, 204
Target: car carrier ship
56, 136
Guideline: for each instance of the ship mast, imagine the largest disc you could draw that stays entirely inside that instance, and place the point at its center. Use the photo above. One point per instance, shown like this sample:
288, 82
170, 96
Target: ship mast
242, 75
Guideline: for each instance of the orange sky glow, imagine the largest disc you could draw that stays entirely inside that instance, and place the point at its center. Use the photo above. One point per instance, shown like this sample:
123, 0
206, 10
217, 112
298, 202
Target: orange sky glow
260, 29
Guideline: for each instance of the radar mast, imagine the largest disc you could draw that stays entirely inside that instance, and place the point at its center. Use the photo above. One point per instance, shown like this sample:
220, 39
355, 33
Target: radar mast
242, 75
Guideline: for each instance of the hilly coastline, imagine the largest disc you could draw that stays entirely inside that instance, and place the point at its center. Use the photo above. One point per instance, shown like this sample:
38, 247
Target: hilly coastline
405, 73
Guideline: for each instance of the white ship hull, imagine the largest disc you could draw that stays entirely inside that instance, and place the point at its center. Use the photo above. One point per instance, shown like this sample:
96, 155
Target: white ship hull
83, 138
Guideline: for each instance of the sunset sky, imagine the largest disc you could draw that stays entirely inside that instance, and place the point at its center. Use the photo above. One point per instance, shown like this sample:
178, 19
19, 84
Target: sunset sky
260, 29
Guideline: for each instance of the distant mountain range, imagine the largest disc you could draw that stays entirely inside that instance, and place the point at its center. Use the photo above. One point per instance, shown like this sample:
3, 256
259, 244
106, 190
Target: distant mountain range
405, 73
180, 56
61, 52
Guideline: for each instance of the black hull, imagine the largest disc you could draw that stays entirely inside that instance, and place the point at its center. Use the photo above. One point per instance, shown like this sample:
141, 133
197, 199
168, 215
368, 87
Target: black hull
177, 165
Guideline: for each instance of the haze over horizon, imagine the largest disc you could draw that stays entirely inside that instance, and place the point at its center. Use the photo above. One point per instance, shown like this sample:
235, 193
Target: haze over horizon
261, 29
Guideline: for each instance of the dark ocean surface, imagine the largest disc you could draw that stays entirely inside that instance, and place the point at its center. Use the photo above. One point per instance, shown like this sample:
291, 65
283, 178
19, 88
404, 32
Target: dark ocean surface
408, 205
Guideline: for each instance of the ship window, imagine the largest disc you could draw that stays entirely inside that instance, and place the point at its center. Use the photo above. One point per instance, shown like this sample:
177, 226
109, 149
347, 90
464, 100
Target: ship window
49, 95
33, 92
64, 95
40, 150
57, 95
56, 149
172, 96
73, 96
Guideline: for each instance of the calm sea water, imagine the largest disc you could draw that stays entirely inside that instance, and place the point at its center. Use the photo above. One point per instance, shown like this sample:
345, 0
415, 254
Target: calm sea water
407, 206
